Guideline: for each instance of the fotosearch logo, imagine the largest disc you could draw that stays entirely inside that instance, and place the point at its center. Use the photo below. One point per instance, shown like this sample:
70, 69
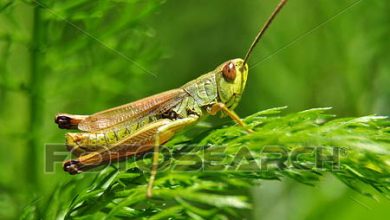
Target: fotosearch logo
194, 158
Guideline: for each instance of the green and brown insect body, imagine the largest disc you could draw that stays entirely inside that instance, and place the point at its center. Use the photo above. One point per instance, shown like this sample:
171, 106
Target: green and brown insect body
198, 96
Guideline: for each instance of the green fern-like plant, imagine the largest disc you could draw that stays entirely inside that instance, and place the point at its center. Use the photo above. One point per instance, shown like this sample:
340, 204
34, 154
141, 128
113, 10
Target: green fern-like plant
199, 189
55, 51
78, 56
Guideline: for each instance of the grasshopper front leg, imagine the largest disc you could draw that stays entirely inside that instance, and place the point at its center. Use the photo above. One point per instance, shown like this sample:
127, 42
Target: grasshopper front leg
215, 108
163, 131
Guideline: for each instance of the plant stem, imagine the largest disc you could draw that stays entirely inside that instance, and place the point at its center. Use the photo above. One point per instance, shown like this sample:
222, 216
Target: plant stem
36, 107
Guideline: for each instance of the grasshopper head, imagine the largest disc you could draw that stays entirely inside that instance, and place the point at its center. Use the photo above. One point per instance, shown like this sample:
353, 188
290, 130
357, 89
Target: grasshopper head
231, 79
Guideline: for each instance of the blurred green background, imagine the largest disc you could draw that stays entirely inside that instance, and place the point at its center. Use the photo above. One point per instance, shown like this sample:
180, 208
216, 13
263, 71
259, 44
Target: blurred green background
79, 57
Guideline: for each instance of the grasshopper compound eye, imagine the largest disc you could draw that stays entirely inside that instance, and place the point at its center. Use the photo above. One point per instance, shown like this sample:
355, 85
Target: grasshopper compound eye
229, 71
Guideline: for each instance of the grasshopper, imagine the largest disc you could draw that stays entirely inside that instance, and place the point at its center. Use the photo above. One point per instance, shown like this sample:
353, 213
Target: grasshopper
146, 124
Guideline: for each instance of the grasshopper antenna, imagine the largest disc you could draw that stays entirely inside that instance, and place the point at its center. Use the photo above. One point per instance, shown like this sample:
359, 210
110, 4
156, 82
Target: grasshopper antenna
264, 28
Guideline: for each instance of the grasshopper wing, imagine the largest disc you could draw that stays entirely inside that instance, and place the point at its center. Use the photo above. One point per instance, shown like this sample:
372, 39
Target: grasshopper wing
152, 105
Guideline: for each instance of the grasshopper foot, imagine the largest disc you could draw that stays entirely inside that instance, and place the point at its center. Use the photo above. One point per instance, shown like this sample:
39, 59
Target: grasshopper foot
72, 167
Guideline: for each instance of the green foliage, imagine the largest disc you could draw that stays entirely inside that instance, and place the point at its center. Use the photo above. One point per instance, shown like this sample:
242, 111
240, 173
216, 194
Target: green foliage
54, 51
220, 192
79, 57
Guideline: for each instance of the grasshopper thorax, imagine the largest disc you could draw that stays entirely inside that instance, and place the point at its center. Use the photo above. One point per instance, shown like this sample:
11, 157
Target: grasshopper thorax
231, 78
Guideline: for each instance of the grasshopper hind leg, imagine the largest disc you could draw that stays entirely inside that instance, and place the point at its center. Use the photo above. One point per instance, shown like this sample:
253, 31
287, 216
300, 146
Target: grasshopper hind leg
135, 144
